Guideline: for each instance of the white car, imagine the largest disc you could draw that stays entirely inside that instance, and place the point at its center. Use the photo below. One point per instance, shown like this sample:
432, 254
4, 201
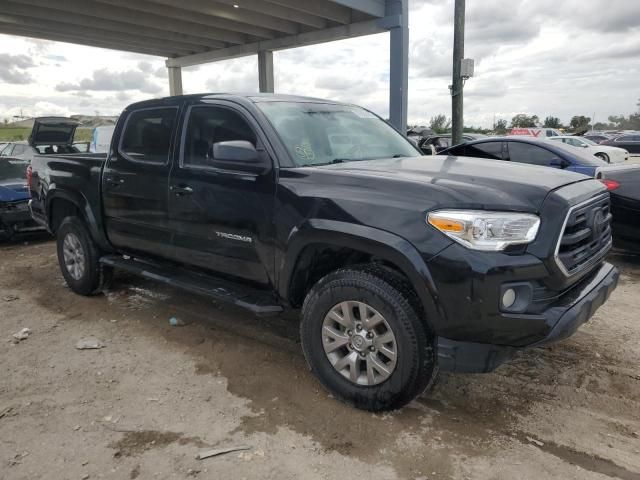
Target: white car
603, 152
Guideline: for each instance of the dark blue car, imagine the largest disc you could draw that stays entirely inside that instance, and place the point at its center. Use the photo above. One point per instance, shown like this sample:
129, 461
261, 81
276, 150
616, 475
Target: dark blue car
14, 199
530, 150
623, 181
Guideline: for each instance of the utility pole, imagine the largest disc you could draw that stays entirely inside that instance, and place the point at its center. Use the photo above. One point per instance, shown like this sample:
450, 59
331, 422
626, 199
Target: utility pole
457, 99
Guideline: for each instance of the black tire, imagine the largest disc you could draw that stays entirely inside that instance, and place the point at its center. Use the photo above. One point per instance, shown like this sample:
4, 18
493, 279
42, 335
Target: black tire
604, 157
388, 293
94, 277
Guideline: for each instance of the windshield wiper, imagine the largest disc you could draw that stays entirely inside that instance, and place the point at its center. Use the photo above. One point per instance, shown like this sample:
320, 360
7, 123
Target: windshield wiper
398, 155
334, 161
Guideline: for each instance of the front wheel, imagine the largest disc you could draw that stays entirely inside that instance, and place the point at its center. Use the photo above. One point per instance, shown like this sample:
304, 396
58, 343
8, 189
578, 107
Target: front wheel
79, 258
365, 341
604, 157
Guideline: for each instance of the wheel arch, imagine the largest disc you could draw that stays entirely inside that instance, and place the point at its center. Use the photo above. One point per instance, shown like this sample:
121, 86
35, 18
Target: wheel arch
63, 203
321, 246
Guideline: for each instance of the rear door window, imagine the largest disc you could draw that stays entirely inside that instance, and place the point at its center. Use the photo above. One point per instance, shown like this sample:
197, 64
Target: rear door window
532, 154
7, 151
490, 150
147, 135
628, 138
19, 150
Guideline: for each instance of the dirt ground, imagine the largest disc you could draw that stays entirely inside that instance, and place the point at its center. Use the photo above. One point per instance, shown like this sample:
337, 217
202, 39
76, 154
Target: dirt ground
156, 395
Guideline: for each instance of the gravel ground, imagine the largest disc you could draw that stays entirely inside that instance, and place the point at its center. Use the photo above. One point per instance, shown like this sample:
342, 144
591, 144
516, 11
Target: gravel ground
156, 395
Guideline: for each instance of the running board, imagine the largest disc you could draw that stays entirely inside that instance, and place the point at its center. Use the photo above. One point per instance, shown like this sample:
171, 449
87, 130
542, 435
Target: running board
257, 301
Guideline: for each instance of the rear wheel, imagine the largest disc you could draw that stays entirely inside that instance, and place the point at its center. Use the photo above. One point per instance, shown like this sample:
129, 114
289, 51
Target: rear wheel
365, 341
79, 258
603, 156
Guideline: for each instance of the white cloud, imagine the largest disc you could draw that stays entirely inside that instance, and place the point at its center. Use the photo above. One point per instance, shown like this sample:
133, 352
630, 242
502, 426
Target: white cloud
539, 57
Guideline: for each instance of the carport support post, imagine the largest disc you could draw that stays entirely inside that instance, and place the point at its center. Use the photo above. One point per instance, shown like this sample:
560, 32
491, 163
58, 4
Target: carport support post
399, 64
457, 86
175, 80
265, 71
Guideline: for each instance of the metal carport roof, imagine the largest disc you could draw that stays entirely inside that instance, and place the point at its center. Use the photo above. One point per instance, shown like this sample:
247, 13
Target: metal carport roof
191, 32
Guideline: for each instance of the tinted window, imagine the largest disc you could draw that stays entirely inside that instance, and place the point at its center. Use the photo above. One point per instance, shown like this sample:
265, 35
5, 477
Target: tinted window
10, 170
492, 150
443, 142
628, 138
147, 135
7, 151
526, 153
209, 125
19, 150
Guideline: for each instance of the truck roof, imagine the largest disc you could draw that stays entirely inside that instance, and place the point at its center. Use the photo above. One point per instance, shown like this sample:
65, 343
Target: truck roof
252, 97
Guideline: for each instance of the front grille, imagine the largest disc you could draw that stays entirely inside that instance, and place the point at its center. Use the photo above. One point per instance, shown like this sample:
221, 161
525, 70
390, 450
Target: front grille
586, 236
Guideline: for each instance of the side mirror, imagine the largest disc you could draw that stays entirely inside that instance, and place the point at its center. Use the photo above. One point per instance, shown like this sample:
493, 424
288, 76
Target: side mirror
240, 156
558, 163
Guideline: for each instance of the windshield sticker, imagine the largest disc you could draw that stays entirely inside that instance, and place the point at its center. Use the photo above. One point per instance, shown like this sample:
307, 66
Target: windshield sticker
305, 152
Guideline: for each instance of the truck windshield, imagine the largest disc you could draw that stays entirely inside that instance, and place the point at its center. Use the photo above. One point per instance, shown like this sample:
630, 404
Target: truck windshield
321, 133
11, 170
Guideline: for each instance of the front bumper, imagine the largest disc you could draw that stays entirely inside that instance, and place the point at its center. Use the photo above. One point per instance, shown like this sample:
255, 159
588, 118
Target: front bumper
567, 315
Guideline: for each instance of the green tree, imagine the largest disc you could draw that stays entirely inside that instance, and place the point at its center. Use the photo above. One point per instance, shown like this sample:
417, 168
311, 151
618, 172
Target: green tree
522, 120
552, 122
579, 122
440, 124
501, 126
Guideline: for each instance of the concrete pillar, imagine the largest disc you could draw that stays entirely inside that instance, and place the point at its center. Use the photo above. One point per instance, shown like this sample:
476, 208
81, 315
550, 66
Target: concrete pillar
399, 65
265, 71
175, 80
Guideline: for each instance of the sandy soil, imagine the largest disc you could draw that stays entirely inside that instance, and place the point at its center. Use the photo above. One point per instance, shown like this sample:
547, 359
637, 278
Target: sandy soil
156, 395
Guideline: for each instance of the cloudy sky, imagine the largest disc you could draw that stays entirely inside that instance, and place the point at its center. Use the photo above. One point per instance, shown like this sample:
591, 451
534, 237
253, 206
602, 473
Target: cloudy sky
544, 57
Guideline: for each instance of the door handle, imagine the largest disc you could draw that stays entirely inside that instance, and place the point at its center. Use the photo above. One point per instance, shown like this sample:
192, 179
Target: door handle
180, 190
114, 181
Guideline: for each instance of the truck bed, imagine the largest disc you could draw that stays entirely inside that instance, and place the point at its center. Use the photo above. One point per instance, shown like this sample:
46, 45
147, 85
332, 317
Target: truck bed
60, 176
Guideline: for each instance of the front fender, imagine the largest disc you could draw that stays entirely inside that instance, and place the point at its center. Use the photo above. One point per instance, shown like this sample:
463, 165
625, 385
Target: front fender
379, 243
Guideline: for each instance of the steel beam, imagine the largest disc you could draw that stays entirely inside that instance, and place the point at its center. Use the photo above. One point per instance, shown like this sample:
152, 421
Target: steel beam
265, 8
375, 8
341, 32
265, 71
228, 12
11, 29
66, 18
175, 80
75, 31
399, 64
321, 8
175, 13
135, 17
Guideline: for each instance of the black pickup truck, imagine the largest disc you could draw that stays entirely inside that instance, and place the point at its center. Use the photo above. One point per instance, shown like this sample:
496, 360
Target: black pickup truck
401, 264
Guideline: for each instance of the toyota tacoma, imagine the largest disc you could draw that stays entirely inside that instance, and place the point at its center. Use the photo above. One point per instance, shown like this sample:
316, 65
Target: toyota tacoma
399, 266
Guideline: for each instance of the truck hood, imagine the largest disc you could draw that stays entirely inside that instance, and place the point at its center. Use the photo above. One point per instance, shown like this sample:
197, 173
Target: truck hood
53, 131
460, 182
13, 190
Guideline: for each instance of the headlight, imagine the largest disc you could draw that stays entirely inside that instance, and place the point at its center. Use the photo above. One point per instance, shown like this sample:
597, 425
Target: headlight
488, 231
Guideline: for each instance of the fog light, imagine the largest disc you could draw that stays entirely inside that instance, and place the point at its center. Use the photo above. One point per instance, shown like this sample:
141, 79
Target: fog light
508, 298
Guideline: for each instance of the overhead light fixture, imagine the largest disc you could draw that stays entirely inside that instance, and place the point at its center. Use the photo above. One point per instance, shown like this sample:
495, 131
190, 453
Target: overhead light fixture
235, 5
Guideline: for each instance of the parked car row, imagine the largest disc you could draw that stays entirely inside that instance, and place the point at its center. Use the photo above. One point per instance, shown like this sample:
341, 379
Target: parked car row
623, 182
603, 151
49, 135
